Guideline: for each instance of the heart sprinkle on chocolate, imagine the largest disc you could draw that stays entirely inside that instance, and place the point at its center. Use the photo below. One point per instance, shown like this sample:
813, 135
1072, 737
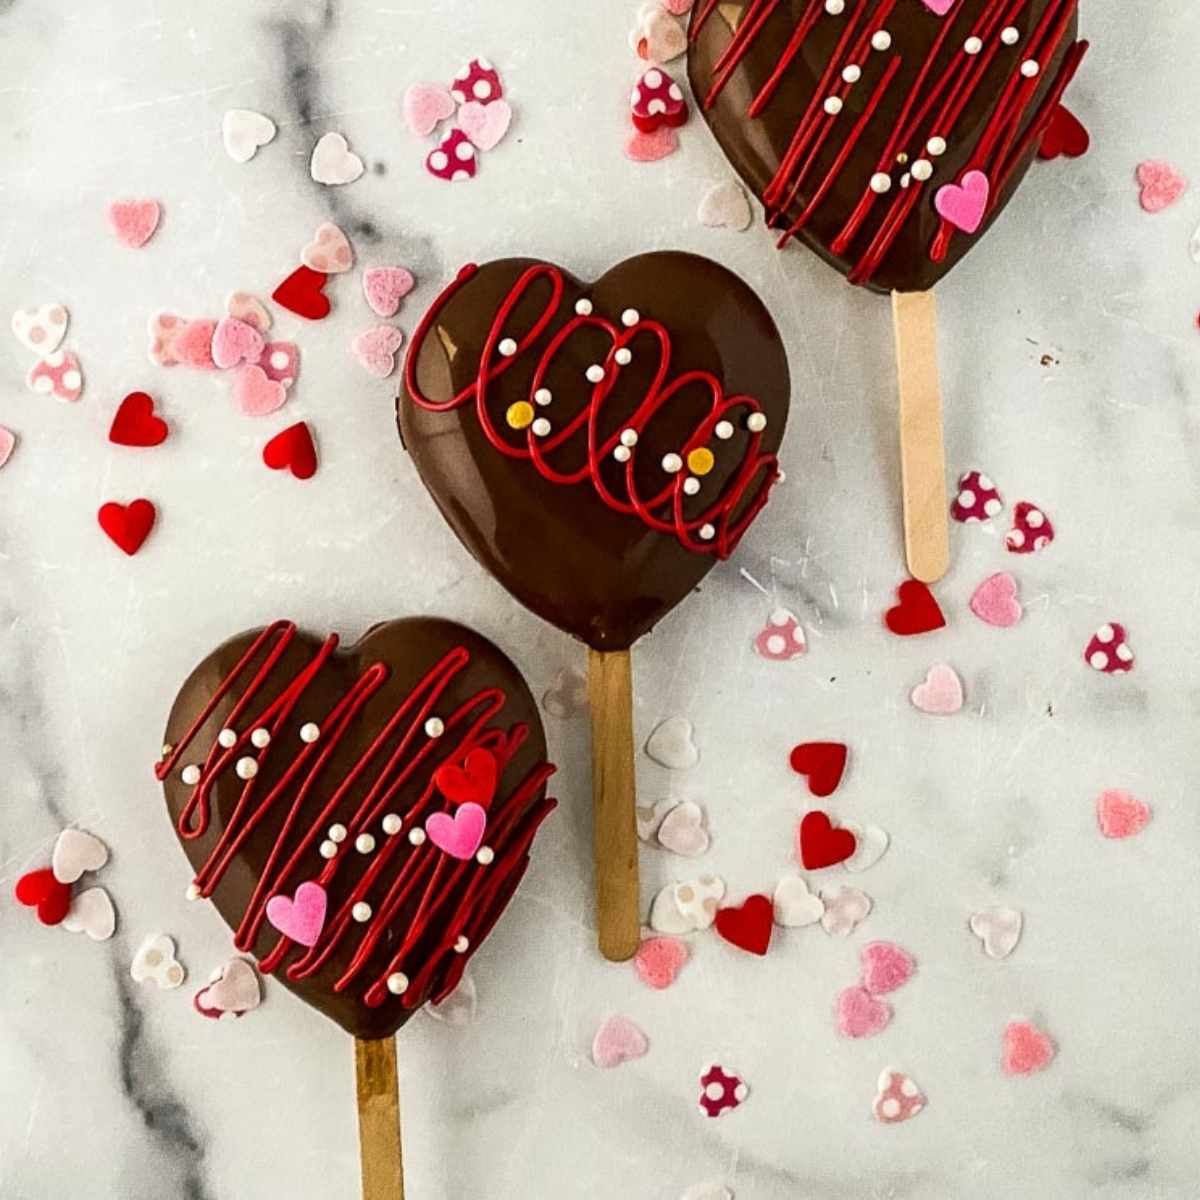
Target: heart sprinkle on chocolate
847, 120
309, 787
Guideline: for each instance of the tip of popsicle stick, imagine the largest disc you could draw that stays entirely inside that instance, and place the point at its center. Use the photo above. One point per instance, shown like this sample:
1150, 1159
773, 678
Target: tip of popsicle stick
620, 945
928, 560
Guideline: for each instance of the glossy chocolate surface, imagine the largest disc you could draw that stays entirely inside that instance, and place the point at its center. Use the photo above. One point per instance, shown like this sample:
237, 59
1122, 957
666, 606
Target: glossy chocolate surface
755, 145
409, 649
602, 575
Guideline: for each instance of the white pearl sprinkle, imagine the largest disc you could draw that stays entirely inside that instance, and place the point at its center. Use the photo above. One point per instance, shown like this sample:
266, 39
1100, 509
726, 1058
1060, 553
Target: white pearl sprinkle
672, 464
190, 774
310, 732
622, 453
337, 833
542, 396
835, 8
594, 373
397, 983
881, 182
461, 945
624, 356
922, 169
724, 430
973, 45
364, 843
540, 427
936, 146
852, 73
261, 738
328, 849
227, 738
630, 317
392, 824
691, 485
361, 912
1029, 68
583, 307
193, 892
1010, 35
629, 437
881, 40
435, 727
416, 836
707, 533
756, 422
246, 768
507, 347
833, 105
485, 855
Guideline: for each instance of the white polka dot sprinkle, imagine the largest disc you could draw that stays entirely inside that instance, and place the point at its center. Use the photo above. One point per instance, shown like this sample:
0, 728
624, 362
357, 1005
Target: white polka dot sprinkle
337, 833
484, 855
309, 732
397, 983
260, 738
392, 824
361, 912
227, 738
594, 373
416, 836
246, 768
435, 727
507, 347
364, 843
583, 307
190, 774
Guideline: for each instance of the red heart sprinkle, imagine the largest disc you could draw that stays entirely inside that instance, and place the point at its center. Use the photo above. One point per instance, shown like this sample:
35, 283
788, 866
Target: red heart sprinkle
749, 926
128, 525
293, 449
819, 844
822, 763
136, 424
301, 292
917, 612
472, 783
1065, 135
40, 890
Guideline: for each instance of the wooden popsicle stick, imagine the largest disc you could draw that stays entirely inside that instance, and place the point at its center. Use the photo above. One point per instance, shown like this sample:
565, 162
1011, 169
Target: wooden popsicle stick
610, 692
379, 1119
922, 454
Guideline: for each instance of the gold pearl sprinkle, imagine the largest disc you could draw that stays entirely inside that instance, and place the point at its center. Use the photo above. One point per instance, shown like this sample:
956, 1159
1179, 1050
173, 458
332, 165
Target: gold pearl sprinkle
167, 748
519, 415
902, 158
700, 461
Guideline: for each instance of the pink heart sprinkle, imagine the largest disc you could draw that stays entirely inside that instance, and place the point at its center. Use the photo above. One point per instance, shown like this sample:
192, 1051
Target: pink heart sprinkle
995, 601
1120, 814
385, 287
859, 1014
1026, 1049
302, 917
885, 967
1161, 185
376, 349
659, 960
485, 124
255, 394
193, 345
424, 105
941, 694
939, 7
235, 341
458, 835
965, 204
650, 147
618, 1040
134, 221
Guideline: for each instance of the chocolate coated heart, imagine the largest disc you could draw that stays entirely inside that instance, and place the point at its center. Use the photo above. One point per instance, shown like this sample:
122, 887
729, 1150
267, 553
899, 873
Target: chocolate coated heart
328, 748
846, 117
597, 447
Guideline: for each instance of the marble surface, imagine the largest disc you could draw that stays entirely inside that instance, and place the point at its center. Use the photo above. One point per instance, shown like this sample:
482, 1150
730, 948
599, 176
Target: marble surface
1069, 359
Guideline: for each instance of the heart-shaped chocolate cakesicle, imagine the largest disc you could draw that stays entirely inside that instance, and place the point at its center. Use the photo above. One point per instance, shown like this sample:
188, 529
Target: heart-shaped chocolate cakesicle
887, 135
598, 447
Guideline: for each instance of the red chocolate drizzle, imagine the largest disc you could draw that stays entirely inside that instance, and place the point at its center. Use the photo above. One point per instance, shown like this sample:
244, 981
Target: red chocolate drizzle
457, 899
943, 88
729, 514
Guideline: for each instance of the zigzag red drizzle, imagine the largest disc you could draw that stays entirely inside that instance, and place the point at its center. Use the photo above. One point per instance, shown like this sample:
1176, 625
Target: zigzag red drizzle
730, 514
994, 153
460, 899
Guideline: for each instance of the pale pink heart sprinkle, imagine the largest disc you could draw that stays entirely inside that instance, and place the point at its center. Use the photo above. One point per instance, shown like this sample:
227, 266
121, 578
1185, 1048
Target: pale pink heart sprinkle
485, 124
385, 287
859, 1014
250, 309
193, 345
301, 917
941, 694
255, 394
329, 252
964, 205
659, 960
1161, 185
618, 1040
995, 601
1121, 814
134, 221
234, 342
8, 441
1026, 1049
650, 147
235, 990
885, 967
424, 105
376, 349
459, 835
75, 853
939, 7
